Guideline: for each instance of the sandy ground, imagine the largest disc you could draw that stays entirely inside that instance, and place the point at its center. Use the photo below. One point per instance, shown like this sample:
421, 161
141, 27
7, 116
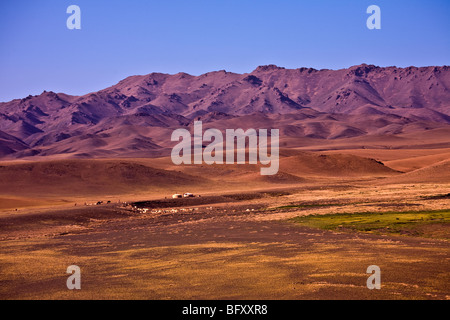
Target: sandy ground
235, 242
240, 249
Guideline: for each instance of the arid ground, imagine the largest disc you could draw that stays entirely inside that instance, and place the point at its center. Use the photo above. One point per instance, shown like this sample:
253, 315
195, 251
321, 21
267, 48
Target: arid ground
309, 232
363, 180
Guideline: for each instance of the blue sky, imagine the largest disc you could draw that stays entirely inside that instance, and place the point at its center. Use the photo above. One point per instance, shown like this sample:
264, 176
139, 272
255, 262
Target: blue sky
123, 38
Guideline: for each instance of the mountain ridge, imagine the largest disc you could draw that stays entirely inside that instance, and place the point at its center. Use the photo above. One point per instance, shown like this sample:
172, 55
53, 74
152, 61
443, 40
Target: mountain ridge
304, 103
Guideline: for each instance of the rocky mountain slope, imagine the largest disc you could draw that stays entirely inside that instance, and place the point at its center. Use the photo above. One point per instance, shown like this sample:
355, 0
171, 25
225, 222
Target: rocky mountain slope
136, 116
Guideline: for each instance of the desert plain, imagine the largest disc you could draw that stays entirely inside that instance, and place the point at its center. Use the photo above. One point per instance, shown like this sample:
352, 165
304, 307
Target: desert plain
364, 179
246, 237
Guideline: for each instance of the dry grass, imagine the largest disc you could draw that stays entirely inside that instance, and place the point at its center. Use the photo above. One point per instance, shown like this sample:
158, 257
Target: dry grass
239, 249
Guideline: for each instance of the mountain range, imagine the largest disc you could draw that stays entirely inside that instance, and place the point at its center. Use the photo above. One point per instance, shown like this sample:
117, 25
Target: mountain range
312, 108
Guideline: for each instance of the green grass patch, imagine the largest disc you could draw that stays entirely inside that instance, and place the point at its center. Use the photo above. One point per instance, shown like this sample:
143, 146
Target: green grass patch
431, 224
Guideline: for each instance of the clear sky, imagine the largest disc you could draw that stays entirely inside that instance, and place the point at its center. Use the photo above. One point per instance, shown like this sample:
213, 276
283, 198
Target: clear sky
122, 38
